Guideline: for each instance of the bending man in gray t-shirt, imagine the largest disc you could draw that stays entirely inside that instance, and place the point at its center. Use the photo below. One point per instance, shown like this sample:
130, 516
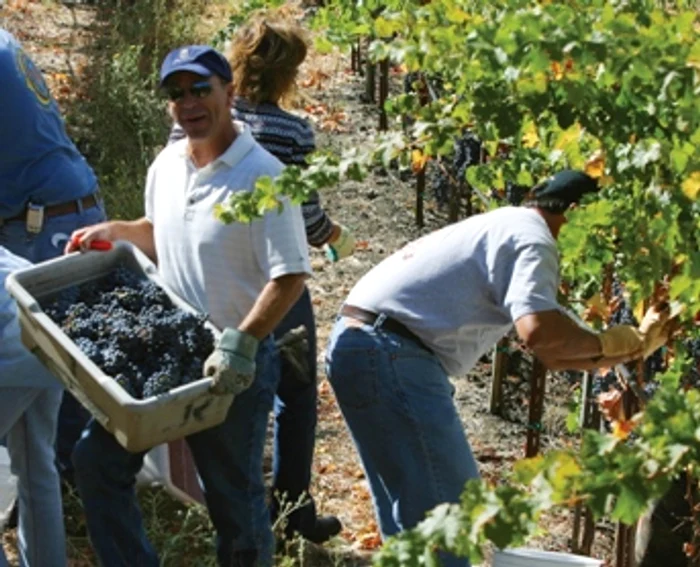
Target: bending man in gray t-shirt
432, 309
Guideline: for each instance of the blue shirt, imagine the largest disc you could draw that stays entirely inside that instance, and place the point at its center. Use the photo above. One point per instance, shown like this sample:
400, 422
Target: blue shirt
18, 367
38, 161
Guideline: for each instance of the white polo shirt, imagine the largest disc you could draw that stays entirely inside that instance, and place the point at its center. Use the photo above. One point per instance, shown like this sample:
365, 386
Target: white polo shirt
461, 288
220, 269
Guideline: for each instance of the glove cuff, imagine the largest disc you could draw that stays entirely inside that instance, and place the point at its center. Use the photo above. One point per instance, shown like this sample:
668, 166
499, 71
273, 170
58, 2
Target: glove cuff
239, 342
620, 340
343, 246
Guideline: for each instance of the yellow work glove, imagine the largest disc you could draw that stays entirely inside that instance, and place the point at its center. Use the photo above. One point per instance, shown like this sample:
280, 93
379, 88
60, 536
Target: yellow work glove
621, 340
656, 328
342, 246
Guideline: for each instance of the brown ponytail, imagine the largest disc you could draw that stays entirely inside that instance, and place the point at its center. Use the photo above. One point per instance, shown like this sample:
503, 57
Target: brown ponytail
265, 56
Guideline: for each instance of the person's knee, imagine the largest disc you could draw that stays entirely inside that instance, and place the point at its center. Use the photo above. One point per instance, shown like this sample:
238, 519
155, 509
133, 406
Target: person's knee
83, 457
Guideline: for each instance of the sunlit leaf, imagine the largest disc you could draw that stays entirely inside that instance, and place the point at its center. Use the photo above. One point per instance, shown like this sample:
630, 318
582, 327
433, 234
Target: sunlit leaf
691, 186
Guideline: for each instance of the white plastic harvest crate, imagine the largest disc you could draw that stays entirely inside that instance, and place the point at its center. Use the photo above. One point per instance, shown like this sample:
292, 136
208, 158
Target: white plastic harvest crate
137, 424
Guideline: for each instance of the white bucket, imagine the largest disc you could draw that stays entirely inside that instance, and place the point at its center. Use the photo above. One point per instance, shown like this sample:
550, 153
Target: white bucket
522, 557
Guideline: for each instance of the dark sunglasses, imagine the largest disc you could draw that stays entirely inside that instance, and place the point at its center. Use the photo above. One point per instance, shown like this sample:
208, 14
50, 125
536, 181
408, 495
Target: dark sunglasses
200, 89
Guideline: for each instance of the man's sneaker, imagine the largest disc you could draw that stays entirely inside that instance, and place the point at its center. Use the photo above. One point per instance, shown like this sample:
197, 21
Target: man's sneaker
324, 529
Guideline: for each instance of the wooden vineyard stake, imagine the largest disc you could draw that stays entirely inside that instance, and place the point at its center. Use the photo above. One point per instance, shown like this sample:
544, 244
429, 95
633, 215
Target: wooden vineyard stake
589, 418
383, 93
420, 191
624, 534
624, 545
537, 389
455, 198
355, 61
498, 372
424, 98
370, 81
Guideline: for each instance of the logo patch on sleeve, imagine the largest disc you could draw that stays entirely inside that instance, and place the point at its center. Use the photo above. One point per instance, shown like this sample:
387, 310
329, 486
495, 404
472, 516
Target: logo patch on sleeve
33, 78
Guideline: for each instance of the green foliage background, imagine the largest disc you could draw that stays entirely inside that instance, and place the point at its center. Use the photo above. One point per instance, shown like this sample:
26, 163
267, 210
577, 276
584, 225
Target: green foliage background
610, 87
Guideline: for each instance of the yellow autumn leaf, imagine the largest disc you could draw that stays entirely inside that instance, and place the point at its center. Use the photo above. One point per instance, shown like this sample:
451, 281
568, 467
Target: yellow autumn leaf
530, 139
622, 429
386, 28
597, 308
639, 311
595, 165
557, 72
568, 136
456, 15
418, 161
691, 186
606, 181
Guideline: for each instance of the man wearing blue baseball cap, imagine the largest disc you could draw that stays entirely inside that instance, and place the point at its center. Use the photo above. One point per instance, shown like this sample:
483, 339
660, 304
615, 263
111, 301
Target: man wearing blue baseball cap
245, 276
433, 309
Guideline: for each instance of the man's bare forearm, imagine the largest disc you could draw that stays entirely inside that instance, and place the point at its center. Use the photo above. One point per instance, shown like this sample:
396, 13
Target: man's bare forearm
275, 300
581, 364
139, 233
562, 344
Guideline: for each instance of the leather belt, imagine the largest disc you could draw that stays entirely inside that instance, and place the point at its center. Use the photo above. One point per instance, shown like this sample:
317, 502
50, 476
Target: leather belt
60, 209
387, 323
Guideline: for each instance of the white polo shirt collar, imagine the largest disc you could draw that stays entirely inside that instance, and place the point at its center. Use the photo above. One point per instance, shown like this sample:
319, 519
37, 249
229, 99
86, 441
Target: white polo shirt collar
240, 146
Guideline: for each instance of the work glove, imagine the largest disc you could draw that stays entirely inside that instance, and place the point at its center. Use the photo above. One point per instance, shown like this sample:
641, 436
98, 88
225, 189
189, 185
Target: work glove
232, 364
342, 246
621, 340
294, 348
656, 328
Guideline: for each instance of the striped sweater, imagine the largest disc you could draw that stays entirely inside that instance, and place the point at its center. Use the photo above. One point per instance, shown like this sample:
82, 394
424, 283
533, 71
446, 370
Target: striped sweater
288, 137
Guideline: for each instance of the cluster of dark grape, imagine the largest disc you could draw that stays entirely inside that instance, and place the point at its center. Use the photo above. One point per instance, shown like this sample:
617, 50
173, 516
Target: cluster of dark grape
129, 327
692, 377
409, 80
468, 151
604, 382
434, 84
623, 314
515, 193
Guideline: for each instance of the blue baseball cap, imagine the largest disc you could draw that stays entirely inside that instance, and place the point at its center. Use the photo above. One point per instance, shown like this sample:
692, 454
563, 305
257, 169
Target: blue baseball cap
200, 59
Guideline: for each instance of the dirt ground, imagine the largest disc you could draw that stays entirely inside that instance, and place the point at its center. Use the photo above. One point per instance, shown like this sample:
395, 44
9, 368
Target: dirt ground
380, 213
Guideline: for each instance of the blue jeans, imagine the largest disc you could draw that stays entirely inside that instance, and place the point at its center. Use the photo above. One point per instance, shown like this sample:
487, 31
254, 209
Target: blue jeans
397, 402
228, 458
295, 423
48, 244
28, 420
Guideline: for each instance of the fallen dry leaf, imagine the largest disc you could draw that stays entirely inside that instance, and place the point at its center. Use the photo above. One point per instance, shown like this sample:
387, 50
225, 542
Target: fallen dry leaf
611, 405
